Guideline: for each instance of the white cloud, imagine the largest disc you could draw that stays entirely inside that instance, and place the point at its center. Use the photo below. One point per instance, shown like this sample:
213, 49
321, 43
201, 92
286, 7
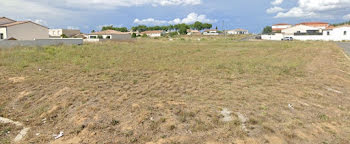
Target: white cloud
191, 18
317, 9
149, 21
296, 12
277, 2
58, 12
346, 17
274, 10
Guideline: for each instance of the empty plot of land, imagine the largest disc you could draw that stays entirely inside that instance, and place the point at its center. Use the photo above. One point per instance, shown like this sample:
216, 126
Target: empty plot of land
181, 91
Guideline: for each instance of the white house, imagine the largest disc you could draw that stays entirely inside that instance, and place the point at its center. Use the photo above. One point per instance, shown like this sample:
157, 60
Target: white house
299, 29
110, 34
237, 32
339, 33
57, 33
153, 33
279, 27
318, 25
22, 30
211, 32
317, 32
193, 32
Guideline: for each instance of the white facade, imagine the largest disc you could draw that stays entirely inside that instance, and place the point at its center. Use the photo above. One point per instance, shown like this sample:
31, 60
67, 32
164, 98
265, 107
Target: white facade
298, 29
3, 34
103, 36
337, 34
154, 34
237, 32
341, 33
55, 32
211, 32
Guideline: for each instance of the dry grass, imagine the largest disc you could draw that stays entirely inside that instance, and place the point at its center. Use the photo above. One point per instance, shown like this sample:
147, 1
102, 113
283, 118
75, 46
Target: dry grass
165, 91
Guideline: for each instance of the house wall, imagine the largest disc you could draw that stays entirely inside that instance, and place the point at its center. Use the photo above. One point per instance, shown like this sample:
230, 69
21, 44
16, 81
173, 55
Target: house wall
281, 26
237, 32
3, 31
5, 21
121, 37
39, 42
337, 34
27, 31
55, 32
294, 29
154, 35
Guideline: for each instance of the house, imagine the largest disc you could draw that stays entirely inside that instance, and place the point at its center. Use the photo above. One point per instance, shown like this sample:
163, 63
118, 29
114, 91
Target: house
193, 32
110, 34
57, 33
313, 31
301, 29
156, 33
211, 32
319, 25
237, 32
339, 33
22, 30
277, 28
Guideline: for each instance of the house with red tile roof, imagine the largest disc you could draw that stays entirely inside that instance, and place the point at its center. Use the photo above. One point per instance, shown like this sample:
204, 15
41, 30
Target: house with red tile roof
281, 26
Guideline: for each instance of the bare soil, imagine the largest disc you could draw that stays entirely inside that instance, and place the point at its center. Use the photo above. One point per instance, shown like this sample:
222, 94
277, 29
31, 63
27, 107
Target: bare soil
156, 91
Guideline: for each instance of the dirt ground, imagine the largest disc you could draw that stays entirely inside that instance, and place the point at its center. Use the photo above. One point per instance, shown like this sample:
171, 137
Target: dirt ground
183, 91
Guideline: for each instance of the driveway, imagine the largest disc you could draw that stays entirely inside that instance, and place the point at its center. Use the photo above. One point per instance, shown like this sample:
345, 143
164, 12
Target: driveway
345, 46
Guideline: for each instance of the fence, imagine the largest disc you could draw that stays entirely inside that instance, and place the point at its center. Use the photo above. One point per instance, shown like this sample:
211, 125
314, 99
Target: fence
39, 42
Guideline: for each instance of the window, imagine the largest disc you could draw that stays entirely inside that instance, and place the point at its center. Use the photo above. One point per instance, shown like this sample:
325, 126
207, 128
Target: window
93, 37
328, 33
1, 36
108, 37
345, 32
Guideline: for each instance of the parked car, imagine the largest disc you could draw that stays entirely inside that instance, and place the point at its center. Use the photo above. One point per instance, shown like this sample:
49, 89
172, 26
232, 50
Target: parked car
287, 39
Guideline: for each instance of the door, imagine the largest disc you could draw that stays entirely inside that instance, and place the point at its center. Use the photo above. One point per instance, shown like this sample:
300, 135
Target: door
1, 36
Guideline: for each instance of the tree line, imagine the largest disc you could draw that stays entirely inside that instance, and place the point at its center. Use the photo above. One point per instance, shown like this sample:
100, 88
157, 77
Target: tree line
181, 28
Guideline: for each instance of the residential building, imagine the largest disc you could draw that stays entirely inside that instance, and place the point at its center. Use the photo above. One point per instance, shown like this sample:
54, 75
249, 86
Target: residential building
193, 32
211, 32
313, 31
57, 33
156, 33
319, 25
301, 29
237, 32
110, 34
338, 33
276, 28
22, 30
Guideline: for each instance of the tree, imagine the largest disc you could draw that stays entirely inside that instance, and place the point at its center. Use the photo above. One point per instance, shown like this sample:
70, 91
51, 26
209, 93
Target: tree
133, 35
267, 30
207, 26
198, 25
121, 29
216, 28
92, 31
64, 36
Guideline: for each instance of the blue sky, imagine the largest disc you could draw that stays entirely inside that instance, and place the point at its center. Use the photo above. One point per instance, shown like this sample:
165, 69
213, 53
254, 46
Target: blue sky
253, 15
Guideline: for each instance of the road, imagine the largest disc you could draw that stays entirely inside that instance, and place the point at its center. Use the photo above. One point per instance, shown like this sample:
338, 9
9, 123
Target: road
345, 46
